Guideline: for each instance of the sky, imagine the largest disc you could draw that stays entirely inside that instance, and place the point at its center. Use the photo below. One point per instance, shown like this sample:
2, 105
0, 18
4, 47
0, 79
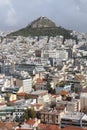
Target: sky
70, 14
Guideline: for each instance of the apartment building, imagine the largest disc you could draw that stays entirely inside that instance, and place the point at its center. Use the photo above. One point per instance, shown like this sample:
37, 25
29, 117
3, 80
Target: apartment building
83, 100
84, 121
72, 119
51, 116
59, 54
73, 106
24, 84
41, 96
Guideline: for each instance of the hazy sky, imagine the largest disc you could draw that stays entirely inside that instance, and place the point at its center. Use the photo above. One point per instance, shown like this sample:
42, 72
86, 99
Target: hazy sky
71, 14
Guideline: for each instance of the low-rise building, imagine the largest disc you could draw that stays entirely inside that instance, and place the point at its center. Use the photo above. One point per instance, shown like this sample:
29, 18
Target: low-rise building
83, 100
51, 116
84, 121
42, 96
72, 119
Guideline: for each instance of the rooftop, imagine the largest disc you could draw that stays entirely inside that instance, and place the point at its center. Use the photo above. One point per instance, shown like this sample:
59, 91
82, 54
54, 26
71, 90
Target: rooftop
84, 117
56, 127
73, 115
72, 128
83, 94
8, 125
39, 92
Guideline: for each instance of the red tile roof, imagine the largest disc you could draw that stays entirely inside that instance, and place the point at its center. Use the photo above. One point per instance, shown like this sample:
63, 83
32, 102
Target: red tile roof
24, 129
56, 127
55, 96
22, 94
39, 80
8, 125
30, 122
37, 105
63, 93
73, 128
47, 127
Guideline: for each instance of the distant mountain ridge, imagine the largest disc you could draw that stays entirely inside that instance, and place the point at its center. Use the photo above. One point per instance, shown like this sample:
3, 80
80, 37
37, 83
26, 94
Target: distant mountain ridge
43, 27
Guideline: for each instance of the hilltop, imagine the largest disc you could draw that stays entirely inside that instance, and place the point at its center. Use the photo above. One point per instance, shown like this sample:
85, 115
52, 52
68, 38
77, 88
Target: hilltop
42, 22
43, 27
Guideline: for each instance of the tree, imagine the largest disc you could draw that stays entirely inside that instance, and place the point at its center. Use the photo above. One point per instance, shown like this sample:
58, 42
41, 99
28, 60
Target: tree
49, 86
33, 43
29, 113
7, 97
61, 84
38, 115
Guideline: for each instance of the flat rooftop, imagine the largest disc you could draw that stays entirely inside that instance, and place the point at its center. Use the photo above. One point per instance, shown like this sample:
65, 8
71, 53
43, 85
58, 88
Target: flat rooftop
83, 95
39, 92
84, 117
73, 115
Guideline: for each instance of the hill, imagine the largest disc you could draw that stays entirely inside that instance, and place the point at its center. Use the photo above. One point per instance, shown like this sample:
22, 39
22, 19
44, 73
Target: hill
42, 22
43, 27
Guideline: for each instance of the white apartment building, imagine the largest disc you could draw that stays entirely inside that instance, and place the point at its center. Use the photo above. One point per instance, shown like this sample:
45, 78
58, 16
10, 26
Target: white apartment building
59, 54
42, 96
77, 119
84, 122
83, 100
25, 84
62, 54
72, 119
73, 106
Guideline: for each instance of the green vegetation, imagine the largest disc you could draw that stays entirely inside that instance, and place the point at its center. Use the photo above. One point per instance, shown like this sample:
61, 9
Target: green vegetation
49, 88
48, 85
27, 96
7, 97
61, 84
43, 31
43, 27
29, 113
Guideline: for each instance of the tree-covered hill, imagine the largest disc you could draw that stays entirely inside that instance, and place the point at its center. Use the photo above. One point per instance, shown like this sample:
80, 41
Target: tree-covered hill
43, 27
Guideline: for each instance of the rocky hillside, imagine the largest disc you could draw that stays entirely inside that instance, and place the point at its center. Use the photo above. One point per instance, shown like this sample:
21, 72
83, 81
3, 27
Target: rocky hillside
43, 27
42, 22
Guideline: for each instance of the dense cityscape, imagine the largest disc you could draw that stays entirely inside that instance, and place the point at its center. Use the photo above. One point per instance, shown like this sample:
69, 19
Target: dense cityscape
43, 80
